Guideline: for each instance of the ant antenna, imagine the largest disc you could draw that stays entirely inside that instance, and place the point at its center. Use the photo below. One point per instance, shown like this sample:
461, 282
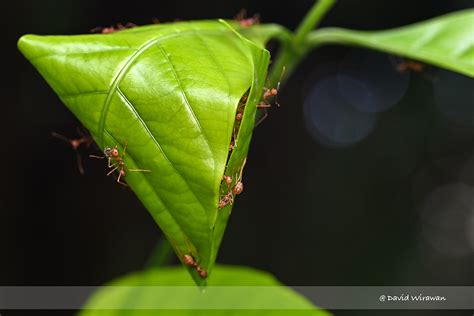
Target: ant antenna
278, 85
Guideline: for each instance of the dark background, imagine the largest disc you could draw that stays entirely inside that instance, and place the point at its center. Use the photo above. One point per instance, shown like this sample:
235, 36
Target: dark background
395, 207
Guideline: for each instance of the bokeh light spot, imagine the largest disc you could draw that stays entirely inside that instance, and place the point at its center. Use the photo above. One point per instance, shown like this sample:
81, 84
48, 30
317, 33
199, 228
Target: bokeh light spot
376, 85
331, 120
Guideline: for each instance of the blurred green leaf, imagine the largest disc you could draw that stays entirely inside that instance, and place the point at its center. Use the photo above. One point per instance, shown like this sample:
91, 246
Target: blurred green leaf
446, 41
170, 92
247, 291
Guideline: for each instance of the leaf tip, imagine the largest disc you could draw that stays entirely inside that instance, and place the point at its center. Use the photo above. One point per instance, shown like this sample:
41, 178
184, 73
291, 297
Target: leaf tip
26, 43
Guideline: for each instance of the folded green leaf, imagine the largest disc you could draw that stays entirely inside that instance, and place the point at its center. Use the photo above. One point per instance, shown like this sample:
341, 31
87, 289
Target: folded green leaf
446, 41
167, 291
169, 93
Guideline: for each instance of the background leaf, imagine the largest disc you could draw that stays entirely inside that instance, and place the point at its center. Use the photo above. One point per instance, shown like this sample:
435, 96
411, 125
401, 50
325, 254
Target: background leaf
445, 41
263, 291
170, 91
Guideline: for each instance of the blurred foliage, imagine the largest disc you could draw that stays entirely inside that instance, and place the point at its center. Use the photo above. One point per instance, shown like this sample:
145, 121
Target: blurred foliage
246, 291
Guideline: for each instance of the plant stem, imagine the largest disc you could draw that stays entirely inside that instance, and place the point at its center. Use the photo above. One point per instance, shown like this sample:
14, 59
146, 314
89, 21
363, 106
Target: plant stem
292, 52
312, 19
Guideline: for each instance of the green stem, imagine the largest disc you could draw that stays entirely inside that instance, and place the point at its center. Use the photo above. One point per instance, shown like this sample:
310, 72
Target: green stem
293, 51
312, 19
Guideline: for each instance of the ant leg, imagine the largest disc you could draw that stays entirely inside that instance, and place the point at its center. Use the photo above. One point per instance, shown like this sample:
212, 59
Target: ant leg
111, 171
263, 106
79, 163
61, 137
124, 149
265, 115
122, 183
97, 157
242, 169
80, 132
139, 170
110, 164
96, 29
120, 176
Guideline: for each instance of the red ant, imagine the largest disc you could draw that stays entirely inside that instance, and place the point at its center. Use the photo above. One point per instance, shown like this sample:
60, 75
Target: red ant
241, 107
268, 94
404, 66
112, 28
227, 198
116, 162
410, 65
75, 144
189, 260
238, 118
246, 22
238, 188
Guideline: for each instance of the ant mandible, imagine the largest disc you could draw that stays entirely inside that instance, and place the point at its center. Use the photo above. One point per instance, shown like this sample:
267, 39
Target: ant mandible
116, 162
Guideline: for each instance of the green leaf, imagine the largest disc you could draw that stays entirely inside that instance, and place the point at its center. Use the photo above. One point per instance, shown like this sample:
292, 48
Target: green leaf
446, 41
231, 291
170, 92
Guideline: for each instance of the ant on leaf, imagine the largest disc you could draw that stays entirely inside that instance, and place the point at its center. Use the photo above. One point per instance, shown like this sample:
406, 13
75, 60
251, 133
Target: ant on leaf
116, 162
268, 94
245, 21
113, 28
188, 259
238, 188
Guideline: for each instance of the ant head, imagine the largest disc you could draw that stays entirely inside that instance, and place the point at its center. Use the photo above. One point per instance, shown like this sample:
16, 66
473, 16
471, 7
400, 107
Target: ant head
114, 152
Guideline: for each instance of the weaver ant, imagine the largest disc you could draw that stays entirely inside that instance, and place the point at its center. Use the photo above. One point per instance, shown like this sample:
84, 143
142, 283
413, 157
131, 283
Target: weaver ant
403, 66
238, 118
238, 188
189, 260
245, 21
113, 28
227, 198
268, 95
116, 162
75, 144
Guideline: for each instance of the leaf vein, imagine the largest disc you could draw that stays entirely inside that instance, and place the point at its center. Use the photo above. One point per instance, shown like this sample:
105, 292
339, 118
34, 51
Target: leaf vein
158, 145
